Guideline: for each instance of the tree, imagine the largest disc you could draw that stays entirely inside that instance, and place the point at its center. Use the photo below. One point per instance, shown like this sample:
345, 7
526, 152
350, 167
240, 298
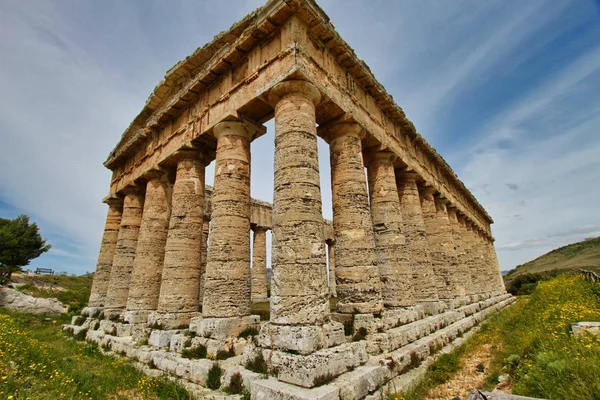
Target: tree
20, 242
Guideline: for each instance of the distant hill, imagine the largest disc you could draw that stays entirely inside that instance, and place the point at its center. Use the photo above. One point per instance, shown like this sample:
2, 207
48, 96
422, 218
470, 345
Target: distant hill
581, 255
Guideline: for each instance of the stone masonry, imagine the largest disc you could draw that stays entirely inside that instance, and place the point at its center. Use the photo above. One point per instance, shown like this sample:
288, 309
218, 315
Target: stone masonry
409, 253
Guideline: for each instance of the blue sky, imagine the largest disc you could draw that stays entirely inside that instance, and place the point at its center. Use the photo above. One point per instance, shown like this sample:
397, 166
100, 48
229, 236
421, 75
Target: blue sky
508, 92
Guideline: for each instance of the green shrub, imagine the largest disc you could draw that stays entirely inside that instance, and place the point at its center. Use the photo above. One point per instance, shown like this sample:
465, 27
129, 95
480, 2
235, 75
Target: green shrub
214, 377
257, 364
195, 352
361, 334
236, 384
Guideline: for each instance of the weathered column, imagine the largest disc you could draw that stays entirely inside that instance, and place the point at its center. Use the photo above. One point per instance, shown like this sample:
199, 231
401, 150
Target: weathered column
226, 302
150, 252
425, 288
499, 287
331, 264
487, 269
467, 258
477, 277
462, 268
299, 293
120, 275
107, 252
179, 290
259, 265
203, 254
358, 283
393, 256
441, 246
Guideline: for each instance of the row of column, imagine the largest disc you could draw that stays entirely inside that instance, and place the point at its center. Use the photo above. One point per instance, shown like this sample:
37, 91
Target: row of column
395, 243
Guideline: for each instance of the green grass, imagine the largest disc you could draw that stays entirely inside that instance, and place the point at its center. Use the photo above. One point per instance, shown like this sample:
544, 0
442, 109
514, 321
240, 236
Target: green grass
39, 361
534, 345
75, 291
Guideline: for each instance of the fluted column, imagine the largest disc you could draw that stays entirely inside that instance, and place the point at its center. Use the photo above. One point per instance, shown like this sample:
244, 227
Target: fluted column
150, 252
331, 264
203, 254
477, 277
462, 268
179, 290
488, 270
425, 288
299, 293
358, 283
227, 281
259, 265
393, 256
107, 251
467, 259
118, 288
500, 288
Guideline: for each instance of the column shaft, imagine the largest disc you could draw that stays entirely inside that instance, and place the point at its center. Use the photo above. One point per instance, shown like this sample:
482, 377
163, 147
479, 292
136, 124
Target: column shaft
150, 252
496, 270
120, 276
299, 293
227, 281
203, 254
179, 290
107, 253
462, 268
331, 263
414, 228
477, 276
259, 265
358, 282
393, 256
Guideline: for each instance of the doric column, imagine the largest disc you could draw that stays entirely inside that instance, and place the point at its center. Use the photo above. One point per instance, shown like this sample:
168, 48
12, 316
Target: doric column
179, 289
441, 246
414, 229
477, 277
466, 256
358, 282
462, 269
331, 264
488, 270
107, 251
118, 288
150, 252
299, 293
203, 254
227, 281
393, 256
259, 265
500, 288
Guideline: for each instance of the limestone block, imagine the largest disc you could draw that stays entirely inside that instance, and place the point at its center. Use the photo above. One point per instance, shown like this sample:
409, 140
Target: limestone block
272, 389
302, 339
20, 302
222, 328
302, 370
171, 320
136, 317
160, 338
358, 383
124, 330
179, 341
108, 327
91, 311
199, 371
248, 377
213, 346
167, 362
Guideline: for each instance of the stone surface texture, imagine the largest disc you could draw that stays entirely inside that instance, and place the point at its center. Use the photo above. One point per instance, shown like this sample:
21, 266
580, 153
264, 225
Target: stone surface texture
16, 301
180, 286
358, 285
393, 254
259, 265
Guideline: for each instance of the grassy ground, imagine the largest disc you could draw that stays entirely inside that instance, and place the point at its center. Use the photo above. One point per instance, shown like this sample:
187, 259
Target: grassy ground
39, 361
530, 344
73, 291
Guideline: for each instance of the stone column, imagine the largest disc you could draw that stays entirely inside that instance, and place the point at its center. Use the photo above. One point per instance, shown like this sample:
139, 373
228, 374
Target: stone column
393, 256
414, 228
299, 293
487, 270
331, 263
107, 252
462, 269
358, 282
467, 258
179, 290
441, 246
226, 302
500, 288
150, 252
259, 265
204, 252
118, 288
477, 277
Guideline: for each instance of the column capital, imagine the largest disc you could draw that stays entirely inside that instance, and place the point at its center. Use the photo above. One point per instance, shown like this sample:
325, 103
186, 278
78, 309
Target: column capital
154, 173
257, 228
373, 156
294, 87
441, 200
133, 190
407, 175
242, 128
428, 191
452, 211
114, 200
190, 155
341, 127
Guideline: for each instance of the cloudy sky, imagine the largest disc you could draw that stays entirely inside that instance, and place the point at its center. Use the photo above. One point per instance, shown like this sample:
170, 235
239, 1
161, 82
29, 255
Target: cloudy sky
507, 91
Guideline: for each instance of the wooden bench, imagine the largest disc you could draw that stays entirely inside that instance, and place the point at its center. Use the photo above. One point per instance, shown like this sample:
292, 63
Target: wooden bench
44, 271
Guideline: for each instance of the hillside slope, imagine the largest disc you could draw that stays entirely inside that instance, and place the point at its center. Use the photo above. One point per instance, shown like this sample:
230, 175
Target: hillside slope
585, 255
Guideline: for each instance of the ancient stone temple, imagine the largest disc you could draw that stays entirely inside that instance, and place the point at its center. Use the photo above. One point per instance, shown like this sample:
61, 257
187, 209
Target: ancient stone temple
404, 269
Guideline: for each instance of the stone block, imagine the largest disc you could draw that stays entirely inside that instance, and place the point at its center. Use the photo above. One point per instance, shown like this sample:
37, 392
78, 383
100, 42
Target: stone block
92, 312
272, 389
302, 339
213, 346
123, 330
108, 327
179, 341
171, 321
136, 316
304, 370
161, 338
199, 371
357, 384
223, 328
